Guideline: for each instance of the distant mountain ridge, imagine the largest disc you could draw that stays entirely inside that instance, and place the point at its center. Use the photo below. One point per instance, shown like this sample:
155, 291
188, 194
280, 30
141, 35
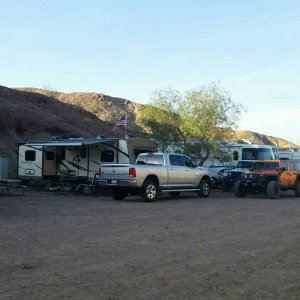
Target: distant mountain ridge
30, 113
109, 109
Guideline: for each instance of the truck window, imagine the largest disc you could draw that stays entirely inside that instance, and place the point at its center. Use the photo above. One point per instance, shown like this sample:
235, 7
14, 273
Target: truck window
291, 166
137, 152
284, 166
175, 160
155, 160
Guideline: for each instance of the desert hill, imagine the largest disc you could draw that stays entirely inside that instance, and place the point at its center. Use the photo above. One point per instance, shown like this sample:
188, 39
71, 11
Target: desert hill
29, 113
109, 109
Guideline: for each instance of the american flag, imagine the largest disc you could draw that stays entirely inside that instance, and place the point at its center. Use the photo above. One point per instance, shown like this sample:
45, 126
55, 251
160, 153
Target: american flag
121, 122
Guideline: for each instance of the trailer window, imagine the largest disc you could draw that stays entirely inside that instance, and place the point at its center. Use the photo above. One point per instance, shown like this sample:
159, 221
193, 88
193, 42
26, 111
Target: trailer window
107, 156
30, 155
62, 152
83, 152
49, 155
235, 155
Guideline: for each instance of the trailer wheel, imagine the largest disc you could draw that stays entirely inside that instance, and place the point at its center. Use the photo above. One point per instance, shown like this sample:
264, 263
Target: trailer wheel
149, 191
273, 190
297, 189
238, 190
204, 188
119, 194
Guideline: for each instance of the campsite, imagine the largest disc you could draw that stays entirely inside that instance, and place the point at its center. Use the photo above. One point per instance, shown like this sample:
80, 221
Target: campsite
57, 245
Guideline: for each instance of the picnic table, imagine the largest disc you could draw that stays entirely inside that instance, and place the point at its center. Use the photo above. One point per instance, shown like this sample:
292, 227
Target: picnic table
11, 186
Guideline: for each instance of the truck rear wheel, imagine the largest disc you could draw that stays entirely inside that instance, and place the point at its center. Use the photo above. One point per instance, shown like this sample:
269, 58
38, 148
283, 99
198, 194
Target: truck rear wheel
119, 194
297, 189
149, 191
273, 190
238, 190
204, 188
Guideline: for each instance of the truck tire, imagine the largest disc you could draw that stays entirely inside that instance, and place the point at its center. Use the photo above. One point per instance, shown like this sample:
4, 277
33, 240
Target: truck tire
238, 190
119, 194
273, 190
204, 188
226, 187
297, 189
149, 191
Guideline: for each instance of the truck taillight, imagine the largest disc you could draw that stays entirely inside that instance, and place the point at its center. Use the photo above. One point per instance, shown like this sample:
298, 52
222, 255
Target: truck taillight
132, 172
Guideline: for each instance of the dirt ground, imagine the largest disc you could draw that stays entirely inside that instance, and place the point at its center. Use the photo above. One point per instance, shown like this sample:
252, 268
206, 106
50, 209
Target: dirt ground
66, 246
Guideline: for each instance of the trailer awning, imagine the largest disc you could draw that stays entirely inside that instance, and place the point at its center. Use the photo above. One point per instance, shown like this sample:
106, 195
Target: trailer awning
67, 143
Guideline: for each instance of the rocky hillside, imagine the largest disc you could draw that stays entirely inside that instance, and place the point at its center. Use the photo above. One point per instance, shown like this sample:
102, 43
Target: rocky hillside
28, 113
106, 108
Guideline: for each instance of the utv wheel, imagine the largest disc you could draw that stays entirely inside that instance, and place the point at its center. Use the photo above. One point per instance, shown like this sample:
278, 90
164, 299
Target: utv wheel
149, 191
273, 190
119, 194
174, 194
238, 189
204, 187
297, 189
225, 187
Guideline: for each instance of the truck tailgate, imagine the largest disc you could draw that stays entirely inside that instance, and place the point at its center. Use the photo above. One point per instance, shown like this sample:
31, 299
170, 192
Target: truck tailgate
114, 171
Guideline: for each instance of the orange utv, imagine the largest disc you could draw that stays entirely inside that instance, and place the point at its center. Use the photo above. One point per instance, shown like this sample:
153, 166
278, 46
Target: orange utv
270, 177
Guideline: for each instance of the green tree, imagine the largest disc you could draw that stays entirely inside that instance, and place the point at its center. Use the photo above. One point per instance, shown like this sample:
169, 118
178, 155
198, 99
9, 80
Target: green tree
198, 122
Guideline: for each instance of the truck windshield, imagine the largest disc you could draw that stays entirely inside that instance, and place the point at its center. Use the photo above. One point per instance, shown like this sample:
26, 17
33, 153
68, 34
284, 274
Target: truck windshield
265, 166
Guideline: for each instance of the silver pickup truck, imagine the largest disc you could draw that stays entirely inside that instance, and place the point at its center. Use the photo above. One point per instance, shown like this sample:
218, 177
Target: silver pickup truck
153, 173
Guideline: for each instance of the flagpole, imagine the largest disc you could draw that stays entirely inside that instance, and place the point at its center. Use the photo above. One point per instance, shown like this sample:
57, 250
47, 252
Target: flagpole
125, 127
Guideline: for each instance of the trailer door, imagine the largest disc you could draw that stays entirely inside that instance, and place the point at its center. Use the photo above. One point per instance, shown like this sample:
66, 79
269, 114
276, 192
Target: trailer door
30, 162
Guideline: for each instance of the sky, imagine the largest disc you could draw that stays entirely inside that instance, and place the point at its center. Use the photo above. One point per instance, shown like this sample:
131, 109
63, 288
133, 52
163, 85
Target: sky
130, 48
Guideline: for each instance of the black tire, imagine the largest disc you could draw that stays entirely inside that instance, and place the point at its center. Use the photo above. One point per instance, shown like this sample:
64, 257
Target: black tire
297, 189
238, 190
119, 194
204, 188
149, 191
174, 194
273, 190
226, 187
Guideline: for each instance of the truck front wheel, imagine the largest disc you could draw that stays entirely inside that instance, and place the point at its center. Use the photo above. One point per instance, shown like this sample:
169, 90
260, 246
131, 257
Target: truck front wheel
238, 190
273, 190
149, 191
204, 188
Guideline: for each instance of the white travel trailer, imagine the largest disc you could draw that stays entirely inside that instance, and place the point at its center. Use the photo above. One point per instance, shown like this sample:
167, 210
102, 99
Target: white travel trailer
289, 154
77, 158
236, 152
